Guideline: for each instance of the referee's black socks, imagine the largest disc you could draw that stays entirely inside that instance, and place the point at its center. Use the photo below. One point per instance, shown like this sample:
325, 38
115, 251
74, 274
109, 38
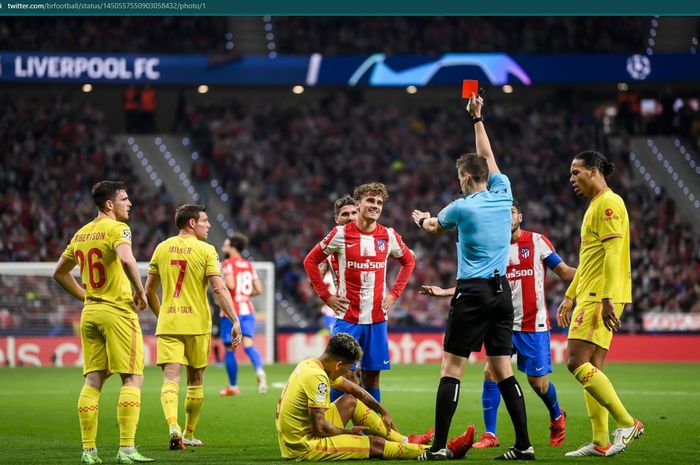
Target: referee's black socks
515, 403
445, 406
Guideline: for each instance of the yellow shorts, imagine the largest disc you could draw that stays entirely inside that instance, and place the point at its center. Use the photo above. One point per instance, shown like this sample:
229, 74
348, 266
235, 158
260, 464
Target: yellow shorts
341, 447
111, 340
587, 323
186, 349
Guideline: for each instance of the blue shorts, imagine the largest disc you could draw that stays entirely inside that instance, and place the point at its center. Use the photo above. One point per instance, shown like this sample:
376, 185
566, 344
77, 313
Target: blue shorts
374, 341
247, 327
328, 322
534, 354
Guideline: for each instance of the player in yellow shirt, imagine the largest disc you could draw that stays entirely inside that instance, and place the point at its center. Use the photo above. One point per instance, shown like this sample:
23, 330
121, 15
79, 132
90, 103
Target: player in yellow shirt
109, 325
601, 288
311, 428
185, 266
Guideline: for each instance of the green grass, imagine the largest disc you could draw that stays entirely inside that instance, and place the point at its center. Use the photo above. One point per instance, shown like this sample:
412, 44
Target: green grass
39, 422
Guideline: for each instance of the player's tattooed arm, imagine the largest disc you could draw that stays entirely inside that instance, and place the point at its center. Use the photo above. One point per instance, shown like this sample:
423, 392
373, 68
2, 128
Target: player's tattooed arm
322, 428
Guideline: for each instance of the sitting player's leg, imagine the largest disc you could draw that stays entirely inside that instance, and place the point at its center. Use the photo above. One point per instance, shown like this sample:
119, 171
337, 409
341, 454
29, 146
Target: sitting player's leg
197, 356
248, 330
490, 401
230, 359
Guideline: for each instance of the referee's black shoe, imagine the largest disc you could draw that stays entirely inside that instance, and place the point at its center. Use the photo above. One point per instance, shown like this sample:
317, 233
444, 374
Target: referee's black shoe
515, 454
442, 454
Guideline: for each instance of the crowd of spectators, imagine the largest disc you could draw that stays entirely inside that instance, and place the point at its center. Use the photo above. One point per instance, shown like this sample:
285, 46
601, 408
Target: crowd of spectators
282, 166
50, 156
115, 34
332, 35
434, 35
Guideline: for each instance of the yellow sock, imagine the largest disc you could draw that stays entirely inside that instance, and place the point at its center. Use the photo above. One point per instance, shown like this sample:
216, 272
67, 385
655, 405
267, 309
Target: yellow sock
168, 400
599, 420
128, 411
599, 386
395, 450
87, 415
193, 409
365, 416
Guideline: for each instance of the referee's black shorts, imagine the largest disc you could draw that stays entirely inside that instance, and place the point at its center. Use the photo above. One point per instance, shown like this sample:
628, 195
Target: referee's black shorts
480, 315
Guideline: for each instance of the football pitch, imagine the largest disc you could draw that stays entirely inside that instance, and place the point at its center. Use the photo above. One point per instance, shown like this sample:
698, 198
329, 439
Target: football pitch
40, 425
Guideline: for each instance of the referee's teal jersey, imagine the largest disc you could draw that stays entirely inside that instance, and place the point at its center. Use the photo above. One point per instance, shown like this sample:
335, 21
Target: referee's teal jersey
483, 222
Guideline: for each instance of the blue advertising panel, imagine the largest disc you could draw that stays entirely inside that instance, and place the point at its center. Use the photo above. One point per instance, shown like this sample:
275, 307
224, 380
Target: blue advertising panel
373, 70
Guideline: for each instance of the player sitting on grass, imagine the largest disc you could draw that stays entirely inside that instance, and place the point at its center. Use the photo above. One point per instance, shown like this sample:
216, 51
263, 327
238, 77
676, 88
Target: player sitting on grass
311, 428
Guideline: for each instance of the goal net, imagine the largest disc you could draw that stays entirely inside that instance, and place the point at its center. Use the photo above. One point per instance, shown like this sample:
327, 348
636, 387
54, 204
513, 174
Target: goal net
39, 321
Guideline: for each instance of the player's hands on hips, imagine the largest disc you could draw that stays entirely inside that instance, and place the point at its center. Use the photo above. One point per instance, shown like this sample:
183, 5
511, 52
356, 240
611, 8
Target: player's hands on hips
435, 291
564, 311
610, 320
337, 304
417, 215
236, 334
474, 105
140, 300
358, 430
388, 302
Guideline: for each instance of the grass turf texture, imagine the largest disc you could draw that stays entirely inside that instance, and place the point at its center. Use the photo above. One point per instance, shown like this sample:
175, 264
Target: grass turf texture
40, 425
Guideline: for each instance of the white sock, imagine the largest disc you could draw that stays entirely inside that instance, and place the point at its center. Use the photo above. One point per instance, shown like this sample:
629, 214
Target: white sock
92, 451
127, 449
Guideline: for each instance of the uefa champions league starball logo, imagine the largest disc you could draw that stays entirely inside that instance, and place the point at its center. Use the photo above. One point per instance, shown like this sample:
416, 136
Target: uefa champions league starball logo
639, 67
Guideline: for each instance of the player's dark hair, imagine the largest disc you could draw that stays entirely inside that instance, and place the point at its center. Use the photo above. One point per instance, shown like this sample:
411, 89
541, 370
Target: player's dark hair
344, 347
187, 212
371, 188
106, 190
592, 158
475, 165
342, 202
516, 204
238, 241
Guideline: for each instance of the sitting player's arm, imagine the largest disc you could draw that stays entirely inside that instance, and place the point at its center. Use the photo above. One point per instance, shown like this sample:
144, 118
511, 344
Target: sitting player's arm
323, 429
359, 393
131, 269
62, 275
152, 285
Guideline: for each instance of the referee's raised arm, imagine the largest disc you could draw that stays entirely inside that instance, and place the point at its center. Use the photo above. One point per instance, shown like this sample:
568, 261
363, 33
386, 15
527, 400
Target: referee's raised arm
483, 146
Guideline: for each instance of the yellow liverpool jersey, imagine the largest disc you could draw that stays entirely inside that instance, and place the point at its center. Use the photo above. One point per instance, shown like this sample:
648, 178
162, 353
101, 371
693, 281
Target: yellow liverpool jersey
307, 387
605, 219
94, 248
184, 264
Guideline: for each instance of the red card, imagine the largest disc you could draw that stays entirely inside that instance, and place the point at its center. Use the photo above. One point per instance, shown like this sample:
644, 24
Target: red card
470, 86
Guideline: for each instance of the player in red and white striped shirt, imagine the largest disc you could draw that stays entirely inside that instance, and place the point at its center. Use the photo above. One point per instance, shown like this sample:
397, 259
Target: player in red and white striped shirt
530, 256
344, 210
363, 248
243, 283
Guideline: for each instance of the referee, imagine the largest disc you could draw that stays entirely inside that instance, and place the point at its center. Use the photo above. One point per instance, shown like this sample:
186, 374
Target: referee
481, 312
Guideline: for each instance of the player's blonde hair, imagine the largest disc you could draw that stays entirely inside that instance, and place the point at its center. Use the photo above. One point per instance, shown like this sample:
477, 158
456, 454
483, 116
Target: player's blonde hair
371, 188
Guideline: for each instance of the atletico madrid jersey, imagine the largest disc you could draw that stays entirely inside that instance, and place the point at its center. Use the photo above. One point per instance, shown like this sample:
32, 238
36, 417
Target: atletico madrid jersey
526, 273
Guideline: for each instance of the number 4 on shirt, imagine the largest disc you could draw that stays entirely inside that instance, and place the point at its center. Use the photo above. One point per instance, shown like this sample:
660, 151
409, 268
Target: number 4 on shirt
182, 264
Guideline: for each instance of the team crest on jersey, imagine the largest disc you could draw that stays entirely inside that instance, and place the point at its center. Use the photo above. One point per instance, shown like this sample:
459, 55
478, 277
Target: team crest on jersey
381, 245
525, 252
126, 234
